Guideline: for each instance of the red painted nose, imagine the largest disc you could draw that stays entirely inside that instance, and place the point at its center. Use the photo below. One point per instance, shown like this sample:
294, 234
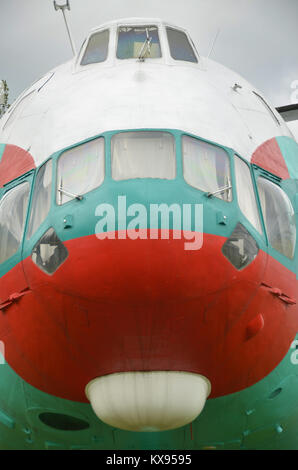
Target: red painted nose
142, 305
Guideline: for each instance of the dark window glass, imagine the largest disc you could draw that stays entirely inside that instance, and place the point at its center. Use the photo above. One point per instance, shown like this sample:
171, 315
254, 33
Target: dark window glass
41, 199
279, 217
136, 41
97, 49
240, 248
180, 47
49, 253
13, 211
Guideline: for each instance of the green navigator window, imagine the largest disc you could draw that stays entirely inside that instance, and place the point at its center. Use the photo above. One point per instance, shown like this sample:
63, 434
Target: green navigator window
279, 217
143, 154
41, 201
80, 170
13, 212
246, 194
206, 167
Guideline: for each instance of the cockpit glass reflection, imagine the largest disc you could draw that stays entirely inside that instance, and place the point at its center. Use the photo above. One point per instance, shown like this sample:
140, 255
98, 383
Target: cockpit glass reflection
13, 211
97, 49
180, 47
80, 170
206, 167
138, 41
279, 217
41, 199
144, 154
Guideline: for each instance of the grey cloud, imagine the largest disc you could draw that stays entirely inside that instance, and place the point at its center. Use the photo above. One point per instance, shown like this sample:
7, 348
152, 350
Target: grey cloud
258, 38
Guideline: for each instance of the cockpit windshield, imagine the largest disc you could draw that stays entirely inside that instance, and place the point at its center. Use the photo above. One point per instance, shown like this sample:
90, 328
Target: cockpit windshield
97, 49
136, 42
180, 46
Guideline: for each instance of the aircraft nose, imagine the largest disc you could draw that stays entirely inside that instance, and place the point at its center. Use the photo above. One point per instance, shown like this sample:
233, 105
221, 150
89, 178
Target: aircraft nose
144, 306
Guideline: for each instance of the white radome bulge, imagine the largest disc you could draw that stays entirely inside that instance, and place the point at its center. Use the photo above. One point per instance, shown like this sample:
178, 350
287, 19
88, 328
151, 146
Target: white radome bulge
148, 401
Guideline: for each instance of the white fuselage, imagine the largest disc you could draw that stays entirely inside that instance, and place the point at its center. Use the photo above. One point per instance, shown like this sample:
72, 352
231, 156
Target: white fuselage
73, 102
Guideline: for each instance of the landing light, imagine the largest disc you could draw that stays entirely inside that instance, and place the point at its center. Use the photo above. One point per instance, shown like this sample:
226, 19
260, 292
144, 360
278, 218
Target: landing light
240, 248
148, 401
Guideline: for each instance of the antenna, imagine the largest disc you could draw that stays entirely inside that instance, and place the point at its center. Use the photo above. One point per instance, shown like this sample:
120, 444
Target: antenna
63, 8
213, 44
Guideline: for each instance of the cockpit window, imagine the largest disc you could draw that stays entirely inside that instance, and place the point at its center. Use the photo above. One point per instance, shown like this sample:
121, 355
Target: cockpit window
180, 47
245, 193
138, 41
279, 217
206, 167
97, 48
13, 211
144, 154
80, 170
42, 198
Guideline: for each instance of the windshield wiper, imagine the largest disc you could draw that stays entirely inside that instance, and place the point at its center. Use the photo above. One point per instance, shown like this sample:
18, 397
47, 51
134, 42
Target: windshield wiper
146, 47
221, 190
61, 190
67, 193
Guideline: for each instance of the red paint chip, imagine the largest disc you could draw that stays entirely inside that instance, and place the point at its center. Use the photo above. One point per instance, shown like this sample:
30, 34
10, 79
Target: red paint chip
269, 156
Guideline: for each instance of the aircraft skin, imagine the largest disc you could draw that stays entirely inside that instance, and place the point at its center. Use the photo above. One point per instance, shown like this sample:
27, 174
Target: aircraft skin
117, 305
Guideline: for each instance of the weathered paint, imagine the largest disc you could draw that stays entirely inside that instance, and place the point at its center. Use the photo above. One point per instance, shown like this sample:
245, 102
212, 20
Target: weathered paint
289, 149
270, 157
14, 162
244, 420
172, 308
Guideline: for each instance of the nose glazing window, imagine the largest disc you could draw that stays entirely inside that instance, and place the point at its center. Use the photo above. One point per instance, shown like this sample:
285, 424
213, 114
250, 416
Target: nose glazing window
41, 199
145, 154
80, 170
245, 193
206, 167
279, 217
13, 210
136, 41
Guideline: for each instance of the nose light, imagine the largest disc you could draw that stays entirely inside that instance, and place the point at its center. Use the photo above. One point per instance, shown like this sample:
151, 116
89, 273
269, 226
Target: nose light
240, 248
148, 401
49, 252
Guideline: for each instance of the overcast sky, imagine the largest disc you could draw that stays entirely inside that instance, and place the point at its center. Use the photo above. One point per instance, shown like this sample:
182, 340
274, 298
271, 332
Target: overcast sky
257, 38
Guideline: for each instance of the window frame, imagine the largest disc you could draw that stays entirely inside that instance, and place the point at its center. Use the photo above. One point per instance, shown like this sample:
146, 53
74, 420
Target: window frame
153, 130
140, 25
190, 41
263, 174
86, 43
56, 169
229, 154
77, 67
30, 207
256, 193
267, 107
10, 262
